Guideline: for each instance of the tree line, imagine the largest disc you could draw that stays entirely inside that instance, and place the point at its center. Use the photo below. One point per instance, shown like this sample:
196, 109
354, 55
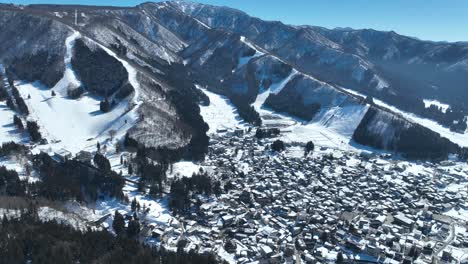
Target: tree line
27, 239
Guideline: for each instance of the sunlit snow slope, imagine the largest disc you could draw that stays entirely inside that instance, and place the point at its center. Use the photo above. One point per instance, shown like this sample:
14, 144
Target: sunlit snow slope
220, 113
73, 124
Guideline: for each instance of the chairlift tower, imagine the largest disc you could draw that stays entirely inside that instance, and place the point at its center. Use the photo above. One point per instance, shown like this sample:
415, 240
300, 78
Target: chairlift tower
76, 17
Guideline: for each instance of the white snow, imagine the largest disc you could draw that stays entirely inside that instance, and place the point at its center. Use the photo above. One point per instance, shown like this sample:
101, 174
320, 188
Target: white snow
380, 83
277, 87
220, 113
70, 123
342, 119
460, 214
183, 169
244, 60
244, 40
69, 79
67, 218
443, 107
201, 23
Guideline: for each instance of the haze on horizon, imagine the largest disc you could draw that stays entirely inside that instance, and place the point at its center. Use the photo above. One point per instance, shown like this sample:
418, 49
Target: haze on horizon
424, 19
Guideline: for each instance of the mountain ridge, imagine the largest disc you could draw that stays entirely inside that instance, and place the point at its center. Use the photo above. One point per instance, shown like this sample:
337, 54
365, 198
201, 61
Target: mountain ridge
237, 55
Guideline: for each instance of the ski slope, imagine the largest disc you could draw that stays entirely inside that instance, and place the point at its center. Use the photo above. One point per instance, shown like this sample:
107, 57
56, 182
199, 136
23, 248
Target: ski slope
244, 60
76, 124
331, 127
69, 79
220, 113
68, 123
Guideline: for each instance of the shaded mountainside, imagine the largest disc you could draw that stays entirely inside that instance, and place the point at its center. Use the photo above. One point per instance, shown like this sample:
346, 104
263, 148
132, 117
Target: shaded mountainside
383, 130
303, 69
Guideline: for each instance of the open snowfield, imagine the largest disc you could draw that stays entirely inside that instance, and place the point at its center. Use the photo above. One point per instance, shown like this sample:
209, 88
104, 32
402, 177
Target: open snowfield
183, 169
220, 113
68, 123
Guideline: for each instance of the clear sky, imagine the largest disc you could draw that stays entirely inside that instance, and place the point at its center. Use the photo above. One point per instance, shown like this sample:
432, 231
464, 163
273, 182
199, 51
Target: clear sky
440, 20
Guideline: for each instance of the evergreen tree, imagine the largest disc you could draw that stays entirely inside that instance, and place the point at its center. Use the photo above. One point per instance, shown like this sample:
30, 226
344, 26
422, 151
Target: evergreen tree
102, 162
339, 257
119, 223
130, 169
309, 147
17, 121
141, 185
33, 130
278, 146
104, 106
133, 228
4, 220
217, 190
134, 204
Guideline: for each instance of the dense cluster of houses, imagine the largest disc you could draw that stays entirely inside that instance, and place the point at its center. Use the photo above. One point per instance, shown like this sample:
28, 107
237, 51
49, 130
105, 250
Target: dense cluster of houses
326, 206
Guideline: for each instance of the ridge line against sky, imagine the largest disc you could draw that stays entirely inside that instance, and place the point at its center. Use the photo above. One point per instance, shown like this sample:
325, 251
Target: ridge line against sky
434, 20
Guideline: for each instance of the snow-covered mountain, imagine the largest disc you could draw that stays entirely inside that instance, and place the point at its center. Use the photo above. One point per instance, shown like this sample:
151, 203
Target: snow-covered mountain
364, 86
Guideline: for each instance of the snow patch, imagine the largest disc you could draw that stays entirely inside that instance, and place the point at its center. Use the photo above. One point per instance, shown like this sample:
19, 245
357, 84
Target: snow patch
443, 107
183, 169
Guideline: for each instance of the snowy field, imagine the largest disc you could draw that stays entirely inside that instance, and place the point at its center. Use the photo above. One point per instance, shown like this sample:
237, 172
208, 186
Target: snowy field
220, 113
183, 169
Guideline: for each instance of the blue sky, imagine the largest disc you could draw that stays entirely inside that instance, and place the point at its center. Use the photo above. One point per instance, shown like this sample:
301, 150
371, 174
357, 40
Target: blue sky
426, 19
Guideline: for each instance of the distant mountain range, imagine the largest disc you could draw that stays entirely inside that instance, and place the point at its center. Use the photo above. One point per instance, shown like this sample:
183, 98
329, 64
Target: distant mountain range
375, 88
